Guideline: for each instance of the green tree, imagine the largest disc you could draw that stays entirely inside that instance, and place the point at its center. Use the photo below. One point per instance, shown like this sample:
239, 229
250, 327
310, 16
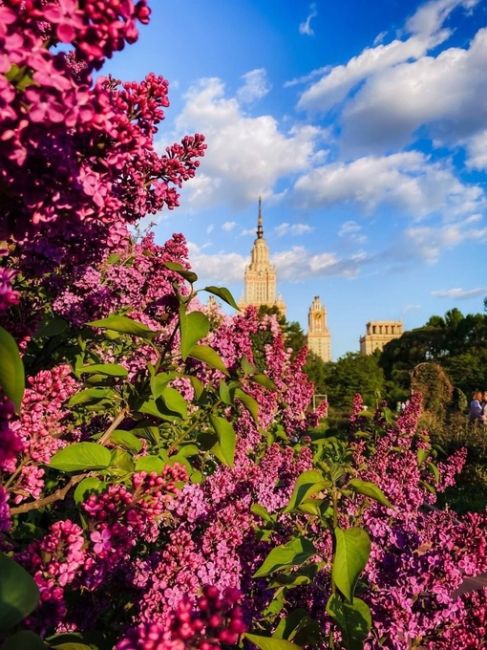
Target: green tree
354, 373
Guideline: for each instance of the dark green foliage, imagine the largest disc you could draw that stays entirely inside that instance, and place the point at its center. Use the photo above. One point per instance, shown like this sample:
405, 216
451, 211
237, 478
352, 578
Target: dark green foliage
457, 342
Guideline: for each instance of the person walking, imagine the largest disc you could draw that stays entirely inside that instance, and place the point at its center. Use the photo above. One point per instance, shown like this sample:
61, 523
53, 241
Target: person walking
475, 412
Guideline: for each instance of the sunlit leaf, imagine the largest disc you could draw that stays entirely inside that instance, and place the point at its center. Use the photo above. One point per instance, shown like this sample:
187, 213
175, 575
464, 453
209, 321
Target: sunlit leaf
226, 438
12, 377
294, 553
351, 555
124, 325
81, 456
208, 356
224, 294
194, 327
369, 489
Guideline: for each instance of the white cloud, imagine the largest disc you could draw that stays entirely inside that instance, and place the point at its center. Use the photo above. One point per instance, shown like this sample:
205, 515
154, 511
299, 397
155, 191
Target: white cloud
447, 93
425, 32
298, 264
305, 27
406, 181
380, 37
247, 231
220, 267
255, 86
477, 151
292, 229
228, 226
459, 294
428, 243
210, 229
307, 77
352, 232
246, 155
294, 264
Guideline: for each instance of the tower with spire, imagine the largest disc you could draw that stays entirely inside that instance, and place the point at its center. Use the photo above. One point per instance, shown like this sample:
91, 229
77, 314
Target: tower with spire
260, 274
319, 338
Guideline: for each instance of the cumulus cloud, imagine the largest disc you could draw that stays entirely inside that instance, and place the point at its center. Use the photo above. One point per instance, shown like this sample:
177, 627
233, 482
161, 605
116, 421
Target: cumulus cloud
406, 181
298, 264
255, 86
305, 27
446, 93
246, 155
294, 264
219, 267
425, 29
427, 243
460, 294
228, 226
292, 229
477, 151
352, 232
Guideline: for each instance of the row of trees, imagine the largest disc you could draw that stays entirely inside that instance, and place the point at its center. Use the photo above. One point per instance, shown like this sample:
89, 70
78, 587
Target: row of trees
456, 342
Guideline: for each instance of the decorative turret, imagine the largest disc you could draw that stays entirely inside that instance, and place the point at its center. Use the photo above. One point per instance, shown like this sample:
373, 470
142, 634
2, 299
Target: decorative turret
319, 339
260, 274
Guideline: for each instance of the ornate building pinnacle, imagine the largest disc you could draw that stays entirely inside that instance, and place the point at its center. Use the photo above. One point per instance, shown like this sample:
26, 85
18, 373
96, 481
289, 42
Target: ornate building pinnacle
260, 221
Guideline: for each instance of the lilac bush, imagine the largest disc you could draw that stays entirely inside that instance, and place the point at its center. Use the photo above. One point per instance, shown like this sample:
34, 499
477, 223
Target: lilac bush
164, 483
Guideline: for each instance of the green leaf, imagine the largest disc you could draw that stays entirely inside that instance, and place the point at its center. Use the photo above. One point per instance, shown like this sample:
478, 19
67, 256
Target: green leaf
261, 512
121, 462
180, 270
124, 325
294, 553
354, 620
208, 356
224, 392
160, 381
299, 626
247, 367
88, 484
81, 456
226, 439
197, 385
108, 369
72, 646
23, 640
264, 381
174, 401
193, 326
435, 471
250, 403
351, 555
422, 455
93, 395
149, 464
224, 294
369, 489
307, 483
126, 439
19, 594
270, 643
51, 326
12, 377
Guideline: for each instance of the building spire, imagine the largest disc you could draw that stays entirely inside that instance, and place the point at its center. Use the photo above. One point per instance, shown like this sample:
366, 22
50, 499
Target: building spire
260, 222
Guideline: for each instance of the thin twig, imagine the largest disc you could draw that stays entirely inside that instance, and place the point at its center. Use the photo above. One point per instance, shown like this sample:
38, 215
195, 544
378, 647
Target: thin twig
55, 496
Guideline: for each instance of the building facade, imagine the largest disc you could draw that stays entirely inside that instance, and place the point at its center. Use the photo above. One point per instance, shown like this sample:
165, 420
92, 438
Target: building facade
260, 283
318, 338
378, 333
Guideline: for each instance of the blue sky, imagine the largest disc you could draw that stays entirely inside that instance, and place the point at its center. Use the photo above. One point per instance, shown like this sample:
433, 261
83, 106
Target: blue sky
364, 128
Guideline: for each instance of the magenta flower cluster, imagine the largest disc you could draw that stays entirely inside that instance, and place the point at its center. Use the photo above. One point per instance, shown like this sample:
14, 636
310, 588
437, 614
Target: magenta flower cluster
155, 540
